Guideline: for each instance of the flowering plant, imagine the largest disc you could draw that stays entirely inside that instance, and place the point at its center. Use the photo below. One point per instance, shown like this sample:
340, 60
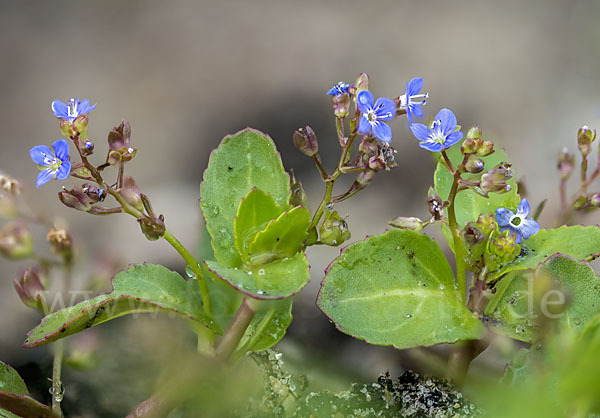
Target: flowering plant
396, 289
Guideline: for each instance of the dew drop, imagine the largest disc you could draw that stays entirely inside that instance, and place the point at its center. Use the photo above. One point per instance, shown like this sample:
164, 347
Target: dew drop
329, 206
577, 321
261, 272
442, 287
408, 315
189, 272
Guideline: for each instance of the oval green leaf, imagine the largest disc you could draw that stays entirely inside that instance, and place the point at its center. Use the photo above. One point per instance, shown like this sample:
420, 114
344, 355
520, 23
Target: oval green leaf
277, 280
283, 237
256, 210
141, 288
242, 161
267, 327
14, 397
396, 289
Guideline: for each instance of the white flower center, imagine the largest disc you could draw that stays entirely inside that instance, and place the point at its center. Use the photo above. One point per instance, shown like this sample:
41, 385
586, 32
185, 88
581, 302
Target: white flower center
516, 221
72, 108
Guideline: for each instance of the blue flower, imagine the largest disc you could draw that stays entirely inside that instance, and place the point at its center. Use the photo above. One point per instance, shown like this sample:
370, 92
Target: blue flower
412, 100
518, 223
441, 135
72, 109
373, 115
54, 162
341, 88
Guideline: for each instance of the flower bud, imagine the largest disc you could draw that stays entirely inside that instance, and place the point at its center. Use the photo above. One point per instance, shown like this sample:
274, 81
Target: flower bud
15, 241
60, 242
580, 202
501, 250
119, 137
152, 229
474, 165
87, 148
30, 289
333, 230
131, 193
566, 164
414, 224
80, 125
364, 178
362, 82
377, 162
485, 149
474, 132
435, 205
76, 199
495, 180
595, 200
10, 185
94, 193
67, 129
305, 140
340, 104
471, 145
297, 195
585, 137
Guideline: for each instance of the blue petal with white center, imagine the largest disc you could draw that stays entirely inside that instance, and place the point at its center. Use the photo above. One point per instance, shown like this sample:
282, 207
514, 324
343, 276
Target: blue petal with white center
413, 99
440, 135
54, 163
373, 115
71, 109
341, 88
517, 223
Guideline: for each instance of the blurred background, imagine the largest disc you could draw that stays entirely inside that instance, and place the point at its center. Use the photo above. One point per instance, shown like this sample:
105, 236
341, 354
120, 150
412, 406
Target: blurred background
186, 73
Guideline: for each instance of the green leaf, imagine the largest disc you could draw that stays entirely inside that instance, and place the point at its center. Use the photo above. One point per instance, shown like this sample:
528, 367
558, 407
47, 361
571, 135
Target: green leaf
396, 289
268, 327
14, 396
580, 242
469, 205
283, 237
141, 288
225, 299
276, 280
256, 210
513, 306
242, 161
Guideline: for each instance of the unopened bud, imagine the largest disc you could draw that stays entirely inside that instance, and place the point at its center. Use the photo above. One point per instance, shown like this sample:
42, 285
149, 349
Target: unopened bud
76, 199
333, 230
474, 132
495, 180
580, 202
595, 200
80, 124
15, 241
566, 164
305, 140
414, 224
485, 149
87, 148
435, 205
362, 82
96, 194
377, 162
119, 137
131, 193
30, 289
471, 234
471, 145
474, 165
340, 104
121, 156
152, 229
502, 249
60, 242
364, 178
585, 137
297, 195
67, 128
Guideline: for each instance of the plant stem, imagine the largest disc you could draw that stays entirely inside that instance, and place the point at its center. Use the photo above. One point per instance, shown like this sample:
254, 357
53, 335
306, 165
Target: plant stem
57, 388
235, 330
260, 329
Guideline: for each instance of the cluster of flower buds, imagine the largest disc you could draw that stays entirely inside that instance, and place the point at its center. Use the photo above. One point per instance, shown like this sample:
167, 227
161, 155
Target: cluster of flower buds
495, 180
119, 144
30, 289
502, 249
16, 241
82, 197
334, 230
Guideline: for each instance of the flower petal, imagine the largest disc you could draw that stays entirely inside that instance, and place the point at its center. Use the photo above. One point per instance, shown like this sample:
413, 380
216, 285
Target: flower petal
431, 146
503, 216
60, 109
421, 131
523, 208
61, 149
448, 121
528, 228
382, 131
364, 101
364, 126
416, 110
44, 177
64, 170
414, 86
385, 108
39, 153
452, 139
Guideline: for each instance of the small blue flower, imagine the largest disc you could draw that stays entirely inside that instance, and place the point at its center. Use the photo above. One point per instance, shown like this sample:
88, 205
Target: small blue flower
441, 135
518, 223
373, 115
72, 109
413, 100
54, 162
341, 88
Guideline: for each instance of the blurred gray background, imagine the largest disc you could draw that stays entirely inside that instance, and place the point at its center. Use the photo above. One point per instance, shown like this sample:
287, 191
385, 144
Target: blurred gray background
186, 73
